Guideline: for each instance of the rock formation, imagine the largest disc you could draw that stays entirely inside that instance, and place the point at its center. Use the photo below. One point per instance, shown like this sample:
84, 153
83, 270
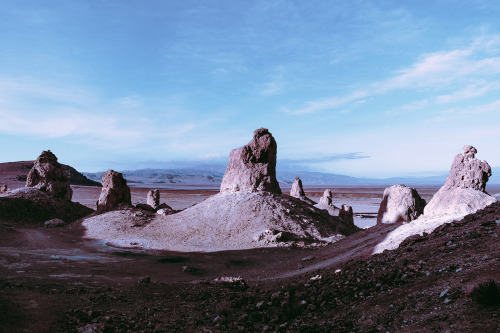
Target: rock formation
326, 199
400, 204
3, 189
347, 214
252, 167
468, 172
154, 198
297, 190
48, 176
114, 192
465, 189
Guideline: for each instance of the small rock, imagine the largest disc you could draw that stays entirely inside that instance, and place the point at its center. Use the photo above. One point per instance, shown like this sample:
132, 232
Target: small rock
54, 223
146, 279
444, 292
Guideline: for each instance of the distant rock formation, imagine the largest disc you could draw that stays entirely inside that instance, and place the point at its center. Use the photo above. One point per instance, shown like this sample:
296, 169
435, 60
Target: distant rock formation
347, 214
252, 168
297, 189
400, 204
47, 175
114, 192
326, 199
3, 189
465, 189
153, 203
153, 198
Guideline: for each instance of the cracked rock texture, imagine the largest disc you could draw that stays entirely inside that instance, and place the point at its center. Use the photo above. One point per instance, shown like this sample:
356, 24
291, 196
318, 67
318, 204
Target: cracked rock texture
400, 204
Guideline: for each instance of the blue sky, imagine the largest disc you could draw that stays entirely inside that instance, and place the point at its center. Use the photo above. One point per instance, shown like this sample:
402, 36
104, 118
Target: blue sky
363, 88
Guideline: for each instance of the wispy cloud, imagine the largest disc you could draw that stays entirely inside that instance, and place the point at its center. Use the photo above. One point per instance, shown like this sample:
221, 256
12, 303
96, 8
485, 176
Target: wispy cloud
434, 71
327, 158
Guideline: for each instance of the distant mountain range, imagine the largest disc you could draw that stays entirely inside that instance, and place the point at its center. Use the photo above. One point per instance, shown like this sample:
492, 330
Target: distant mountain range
213, 177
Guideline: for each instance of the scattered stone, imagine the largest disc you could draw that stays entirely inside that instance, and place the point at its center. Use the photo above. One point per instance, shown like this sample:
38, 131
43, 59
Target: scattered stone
400, 204
252, 167
231, 282
54, 223
165, 211
153, 198
464, 191
444, 292
3, 189
326, 199
47, 175
114, 192
297, 190
307, 258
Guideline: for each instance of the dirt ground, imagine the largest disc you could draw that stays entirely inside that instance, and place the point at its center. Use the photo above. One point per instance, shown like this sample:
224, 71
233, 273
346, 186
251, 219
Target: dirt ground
54, 280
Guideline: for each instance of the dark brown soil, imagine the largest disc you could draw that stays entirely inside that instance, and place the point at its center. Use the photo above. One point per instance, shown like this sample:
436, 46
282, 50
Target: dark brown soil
53, 280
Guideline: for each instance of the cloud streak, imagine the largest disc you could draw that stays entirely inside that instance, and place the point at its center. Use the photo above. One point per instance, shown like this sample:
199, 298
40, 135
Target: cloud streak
471, 65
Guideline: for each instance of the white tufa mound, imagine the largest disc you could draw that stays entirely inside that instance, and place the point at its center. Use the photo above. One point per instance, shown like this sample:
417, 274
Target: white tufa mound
226, 221
462, 194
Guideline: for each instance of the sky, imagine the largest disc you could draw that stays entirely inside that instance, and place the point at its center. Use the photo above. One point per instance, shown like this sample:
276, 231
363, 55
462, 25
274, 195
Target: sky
361, 88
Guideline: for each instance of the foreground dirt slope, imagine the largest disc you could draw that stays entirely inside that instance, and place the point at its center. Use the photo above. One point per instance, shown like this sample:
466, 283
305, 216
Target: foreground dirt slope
428, 284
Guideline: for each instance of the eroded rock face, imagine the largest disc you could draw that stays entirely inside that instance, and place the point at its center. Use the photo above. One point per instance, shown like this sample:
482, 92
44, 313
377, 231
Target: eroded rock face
326, 199
47, 175
468, 172
3, 189
347, 214
465, 189
252, 167
297, 190
400, 204
153, 198
115, 191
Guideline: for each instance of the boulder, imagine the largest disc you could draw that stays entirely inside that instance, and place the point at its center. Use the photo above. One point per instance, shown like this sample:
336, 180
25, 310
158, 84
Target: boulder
252, 168
114, 192
153, 198
297, 190
47, 175
400, 204
326, 199
465, 189
3, 189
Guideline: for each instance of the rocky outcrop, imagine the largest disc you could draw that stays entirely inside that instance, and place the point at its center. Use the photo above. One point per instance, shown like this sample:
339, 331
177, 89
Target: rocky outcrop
468, 172
297, 189
3, 189
153, 198
465, 189
30, 206
114, 193
326, 199
346, 214
252, 168
47, 175
400, 204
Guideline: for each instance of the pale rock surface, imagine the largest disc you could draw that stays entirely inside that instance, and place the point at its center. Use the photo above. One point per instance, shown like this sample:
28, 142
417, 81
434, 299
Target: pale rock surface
47, 175
252, 167
115, 192
400, 204
297, 189
462, 194
226, 221
153, 198
326, 199
464, 190
3, 189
